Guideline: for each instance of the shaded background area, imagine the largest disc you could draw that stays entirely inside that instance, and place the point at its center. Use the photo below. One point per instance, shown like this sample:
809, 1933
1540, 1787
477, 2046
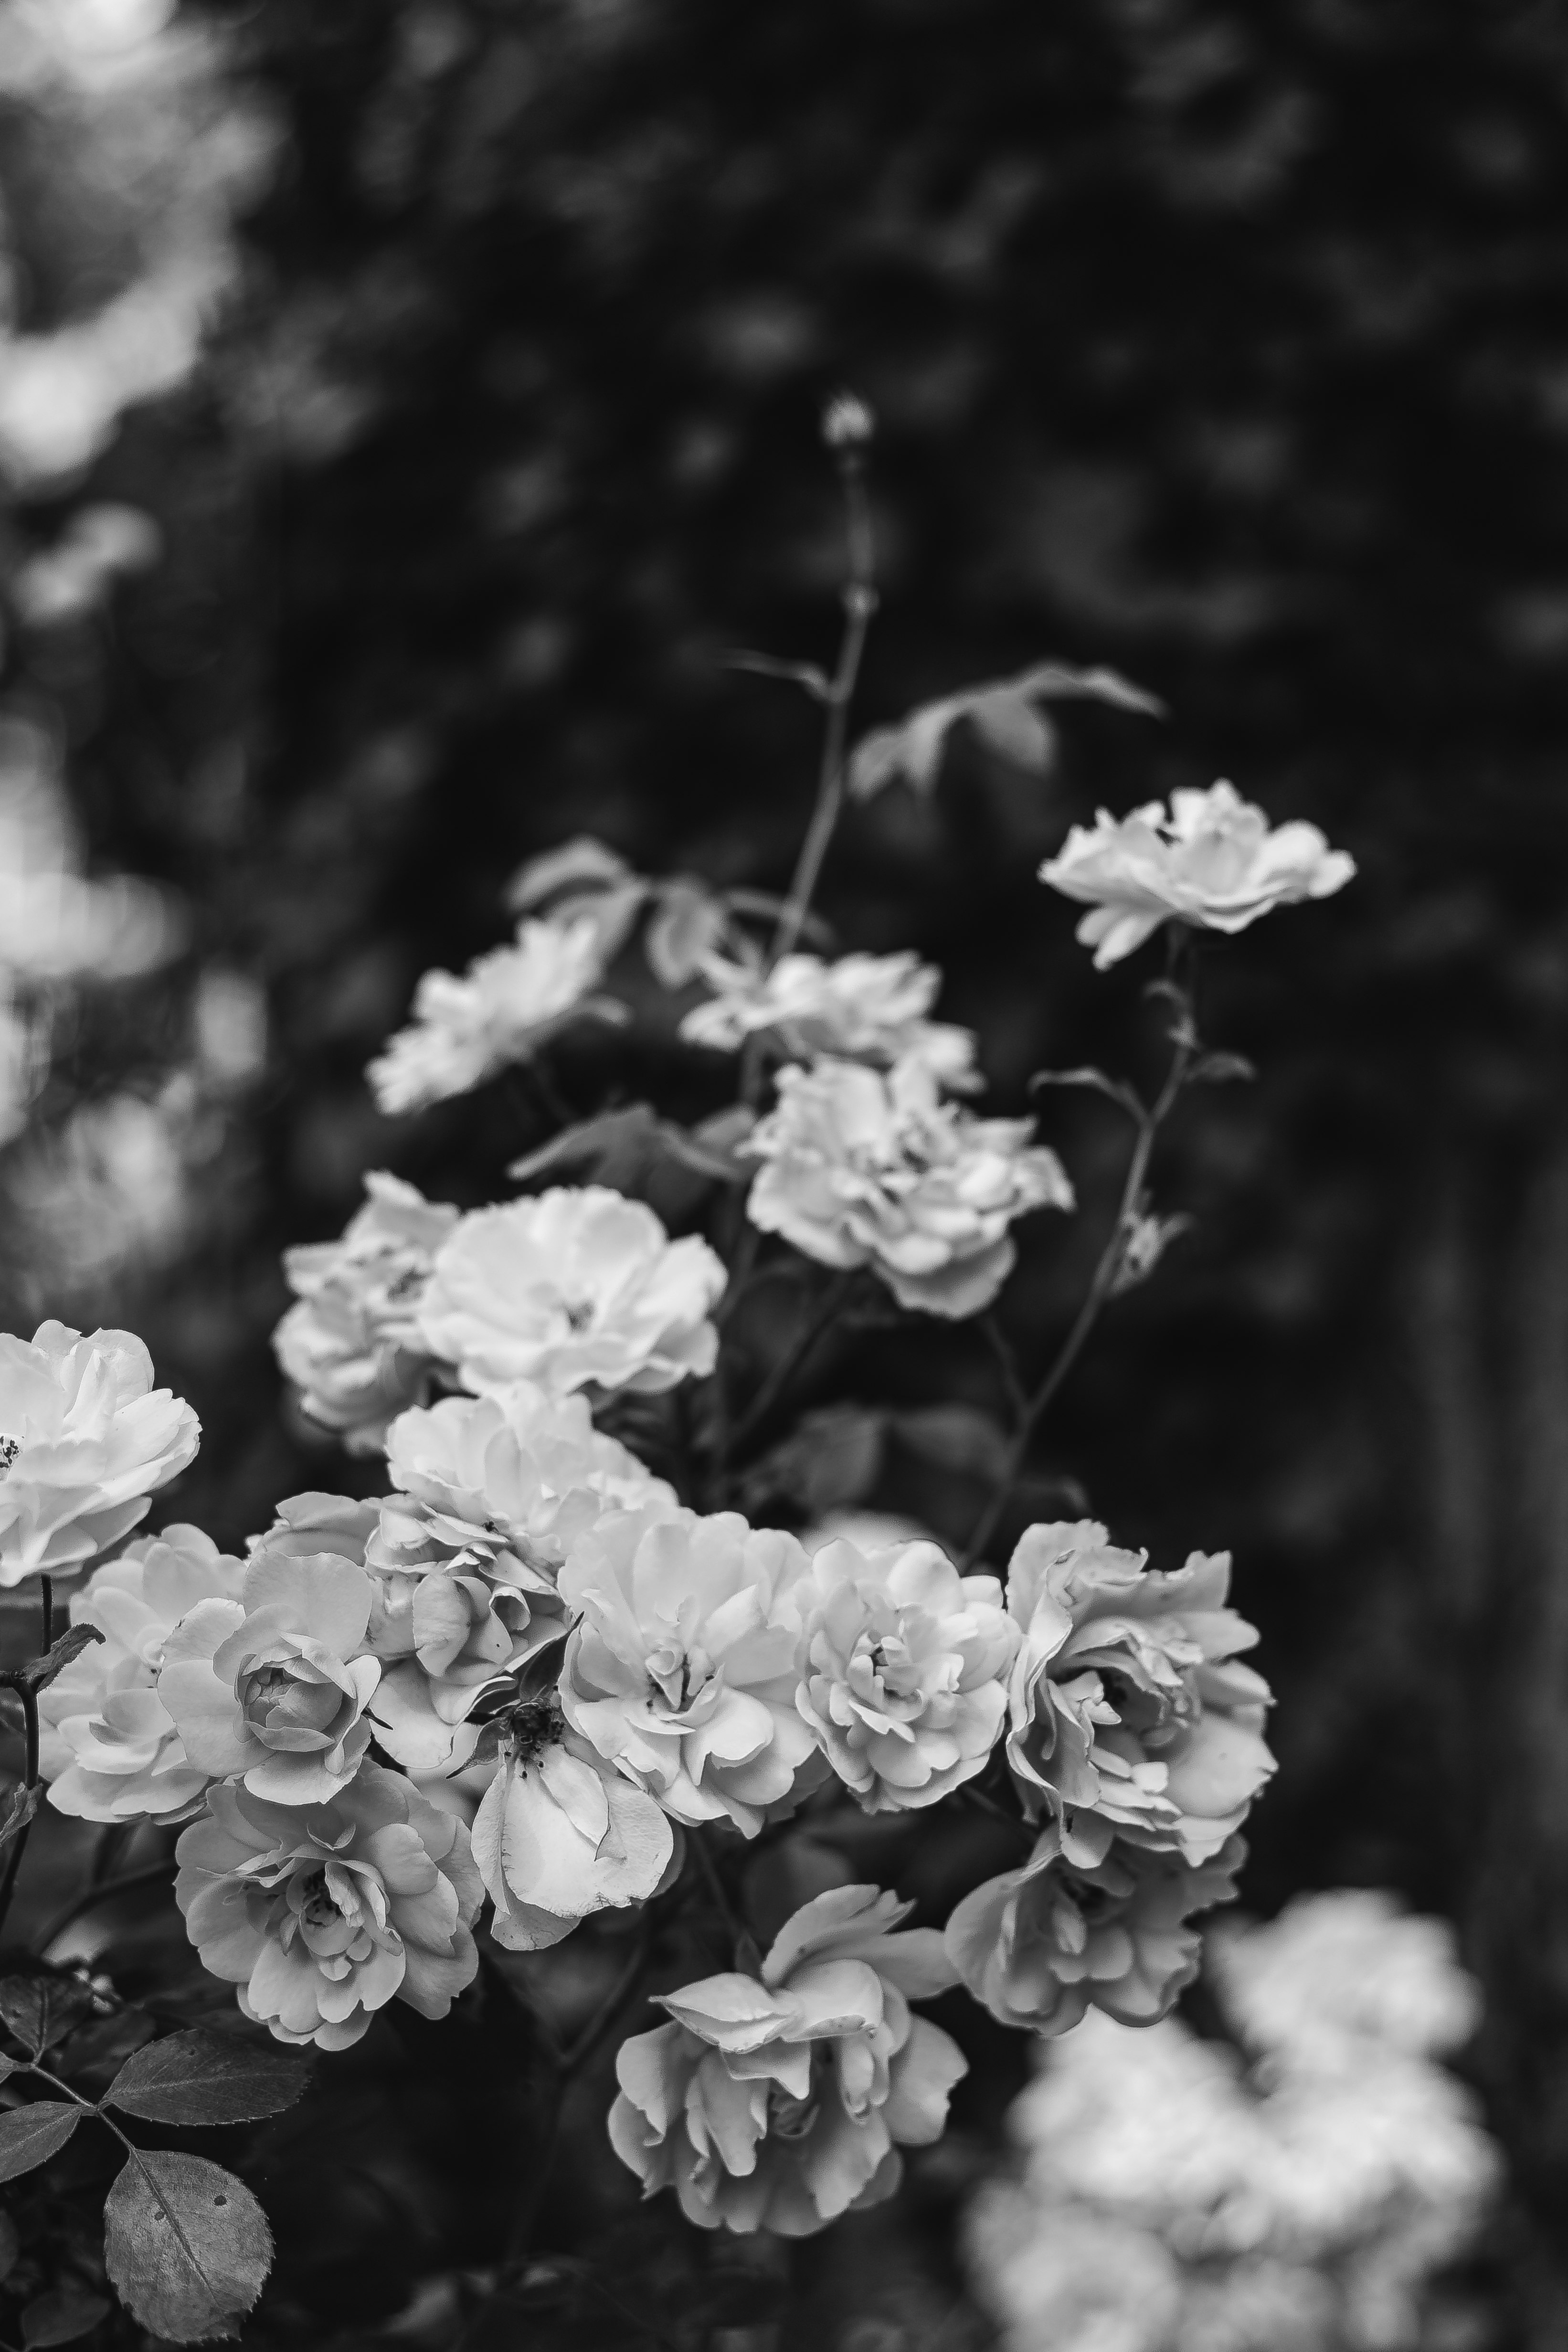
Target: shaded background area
1228, 345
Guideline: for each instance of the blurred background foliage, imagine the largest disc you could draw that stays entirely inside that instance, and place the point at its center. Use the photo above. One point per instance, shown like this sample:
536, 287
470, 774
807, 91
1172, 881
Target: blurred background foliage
407, 406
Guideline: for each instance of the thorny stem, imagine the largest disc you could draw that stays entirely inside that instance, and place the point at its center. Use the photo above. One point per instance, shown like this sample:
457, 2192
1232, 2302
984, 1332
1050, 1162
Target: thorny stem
1103, 1282
860, 604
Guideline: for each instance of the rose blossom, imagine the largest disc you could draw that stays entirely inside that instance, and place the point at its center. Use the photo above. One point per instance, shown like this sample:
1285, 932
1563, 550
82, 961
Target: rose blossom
573, 1287
872, 1169
351, 1345
903, 1670
1101, 1926
501, 1009
682, 1669
781, 2104
1127, 1700
110, 1750
861, 1008
274, 1685
1213, 862
85, 1438
321, 1915
497, 1491
559, 1833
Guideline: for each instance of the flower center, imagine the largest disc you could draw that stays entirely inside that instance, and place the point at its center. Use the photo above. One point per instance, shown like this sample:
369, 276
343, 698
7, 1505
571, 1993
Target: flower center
532, 1728
9, 1449
579, 1313
317, 1909
678, 1675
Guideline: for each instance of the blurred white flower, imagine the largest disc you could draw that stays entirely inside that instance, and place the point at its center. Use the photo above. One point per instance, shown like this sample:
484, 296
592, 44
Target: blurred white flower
85, 1439
571, 1289
870, 1168
351, 1345
501, 1009
861, 1008
110, 1749
1213, 862
108, 1191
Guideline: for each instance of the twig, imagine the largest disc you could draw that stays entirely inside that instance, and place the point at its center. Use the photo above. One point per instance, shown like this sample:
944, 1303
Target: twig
579, 2052
734, 1928
860, 604
103, 1891
31, 1777
790, 1362
1184, 1046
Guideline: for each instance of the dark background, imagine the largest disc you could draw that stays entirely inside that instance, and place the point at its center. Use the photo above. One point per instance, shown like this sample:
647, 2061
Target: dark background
1225, 344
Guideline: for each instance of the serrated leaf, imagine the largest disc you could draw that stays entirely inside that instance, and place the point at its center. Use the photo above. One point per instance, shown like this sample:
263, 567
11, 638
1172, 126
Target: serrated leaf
185, 2244
41, 2010
30, 2136
687, 924
206, 2078
21, 1806
61, 2315
71, 1644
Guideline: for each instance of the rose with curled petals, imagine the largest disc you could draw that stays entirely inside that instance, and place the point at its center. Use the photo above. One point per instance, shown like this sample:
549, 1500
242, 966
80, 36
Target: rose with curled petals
780, 2102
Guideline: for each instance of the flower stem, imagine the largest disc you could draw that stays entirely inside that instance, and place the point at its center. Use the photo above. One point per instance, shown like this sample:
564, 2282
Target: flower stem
1183, 1049
860, 596
104, 1892
794, 1357
31, 1777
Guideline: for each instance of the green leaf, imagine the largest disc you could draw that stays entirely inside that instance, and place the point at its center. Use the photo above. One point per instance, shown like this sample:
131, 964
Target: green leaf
41, 2010
71, 1644
61, 2315
206, 2078
30, 2136
185, 2244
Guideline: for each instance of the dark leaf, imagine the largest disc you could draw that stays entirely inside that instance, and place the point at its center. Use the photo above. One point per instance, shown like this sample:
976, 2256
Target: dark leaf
21, 1805
41, 2010
802, 674
1113, 1089
955, 1437
577, 866
627, 1149
61, 2315
830, 1462
206, 2078
10, 2246
30, 2136
689, 924
1000, 711
1220, 1069
71, 1644
185, 2244
1012, 726
767, 906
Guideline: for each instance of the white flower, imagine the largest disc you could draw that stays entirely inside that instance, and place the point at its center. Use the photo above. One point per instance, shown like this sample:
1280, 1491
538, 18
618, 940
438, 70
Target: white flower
862, 1008
559, 1833
109, 1749
571, 1289
351, 1344
682, 1670
85, 1438
501, 1011
867, 1168
903, 1670
1213, 862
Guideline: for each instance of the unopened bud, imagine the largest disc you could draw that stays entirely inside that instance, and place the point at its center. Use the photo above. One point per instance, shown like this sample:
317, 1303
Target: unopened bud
847, 422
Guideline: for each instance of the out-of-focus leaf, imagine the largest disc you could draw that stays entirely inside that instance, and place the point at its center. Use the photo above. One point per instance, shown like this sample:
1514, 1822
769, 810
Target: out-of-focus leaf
955, 1437
1000, 711
40, 2009
1097, 1081
10, 2246
802, 674
687, 924
784, 1877
186, 2246
623, 1148
206, 2078
61, 2315
1218, 1069
30, 2136
20, 1806
579, 865
829, 1462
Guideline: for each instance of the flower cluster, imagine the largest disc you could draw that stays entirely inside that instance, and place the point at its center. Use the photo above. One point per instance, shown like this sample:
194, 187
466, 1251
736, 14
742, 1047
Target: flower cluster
532, 1682
873, 1169
1172, 2200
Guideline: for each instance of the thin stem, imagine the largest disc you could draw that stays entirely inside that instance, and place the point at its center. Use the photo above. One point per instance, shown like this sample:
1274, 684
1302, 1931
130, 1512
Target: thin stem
30, 1779
48, 1591
860, 604
104, 1892
734, 1928
1102, 1285
794, 1357
578, 2053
